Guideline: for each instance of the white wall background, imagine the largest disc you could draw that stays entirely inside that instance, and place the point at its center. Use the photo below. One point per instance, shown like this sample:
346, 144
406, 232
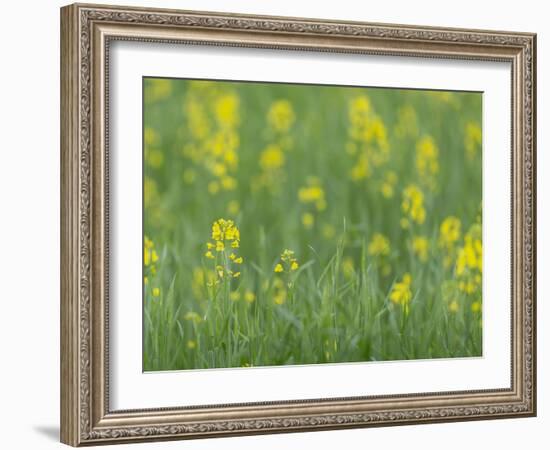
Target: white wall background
29, 222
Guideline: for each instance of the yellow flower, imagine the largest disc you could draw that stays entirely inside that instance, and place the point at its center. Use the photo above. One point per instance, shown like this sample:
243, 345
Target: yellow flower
361, 169
145, 280
227, 110
193, 317
388, 185
469, 261
368, 141
249, 296
348, 267
449, 232
279, 297
157, 89
308, 220
476, 307
413, 205
229, 183
454, 306
272, 158
472, 139
287, 260
156, 292
235, 296
213, 187
146, 256
191, 344
427, 163
150, 255
407, 125
420, 247
281, 116
401, 292
219, 169
150, 136
359, 110
225, 230
287, 255
313, 193
470, 256
379, 245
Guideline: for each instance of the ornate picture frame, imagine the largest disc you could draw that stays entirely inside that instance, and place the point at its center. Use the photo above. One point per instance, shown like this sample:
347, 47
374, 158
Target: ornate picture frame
87, 31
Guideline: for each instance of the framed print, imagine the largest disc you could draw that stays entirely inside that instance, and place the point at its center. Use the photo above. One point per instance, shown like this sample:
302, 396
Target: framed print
275, 224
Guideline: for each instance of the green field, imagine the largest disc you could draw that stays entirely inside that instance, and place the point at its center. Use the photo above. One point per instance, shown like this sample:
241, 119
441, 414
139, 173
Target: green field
300, 224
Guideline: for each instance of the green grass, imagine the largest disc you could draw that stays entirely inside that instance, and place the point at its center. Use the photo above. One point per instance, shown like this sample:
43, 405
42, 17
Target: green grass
341, 304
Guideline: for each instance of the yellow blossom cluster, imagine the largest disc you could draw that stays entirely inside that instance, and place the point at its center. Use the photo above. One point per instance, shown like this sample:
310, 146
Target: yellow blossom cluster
466, 258
427, 162
469, 261
157, 89
279, 291
281, 116
407, 123
420, 248
401, 292
212, 137
153, 156
449, 234
286, 265
223, 249
248, 296
388, 184
288, 262
472, 139
313, 195
412, 206
280, 119
151, 198
367, 139
150, 258
379, 247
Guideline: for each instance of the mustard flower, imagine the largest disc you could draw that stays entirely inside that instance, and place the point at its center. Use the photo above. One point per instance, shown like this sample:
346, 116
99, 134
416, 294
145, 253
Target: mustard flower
401, 292
420, 247
288, 262
281, 116
379, 245
413, 206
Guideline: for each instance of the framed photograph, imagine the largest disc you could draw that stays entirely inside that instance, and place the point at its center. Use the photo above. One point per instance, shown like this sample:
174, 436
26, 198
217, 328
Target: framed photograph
275, 224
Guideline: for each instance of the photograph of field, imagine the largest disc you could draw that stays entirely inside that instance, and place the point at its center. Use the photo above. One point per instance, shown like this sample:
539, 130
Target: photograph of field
291, 224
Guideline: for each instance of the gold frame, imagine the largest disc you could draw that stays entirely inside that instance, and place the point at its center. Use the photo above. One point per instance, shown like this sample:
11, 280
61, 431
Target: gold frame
86, 31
